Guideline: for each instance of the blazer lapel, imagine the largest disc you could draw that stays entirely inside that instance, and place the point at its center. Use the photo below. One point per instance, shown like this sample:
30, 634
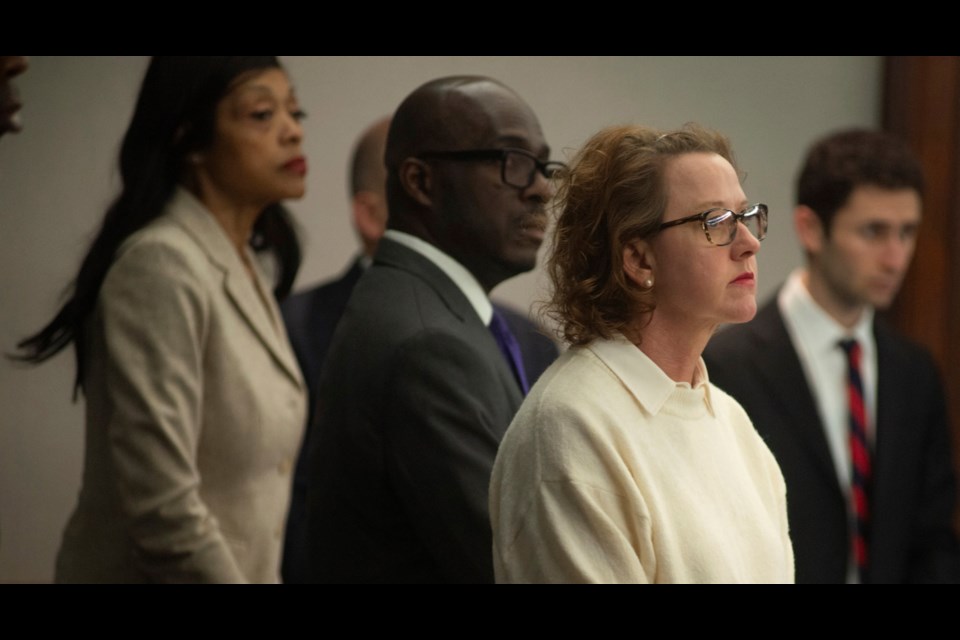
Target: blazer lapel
786, 382
262, 316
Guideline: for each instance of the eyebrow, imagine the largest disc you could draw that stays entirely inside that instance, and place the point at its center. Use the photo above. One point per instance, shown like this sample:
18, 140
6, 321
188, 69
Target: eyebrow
716, 204
888, 223
255, 88
266, 91
523, 143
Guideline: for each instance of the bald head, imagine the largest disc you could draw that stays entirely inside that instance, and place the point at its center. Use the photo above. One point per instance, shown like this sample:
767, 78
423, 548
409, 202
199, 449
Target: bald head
447, 113
462, 204
367, 169
368, 177
451, 113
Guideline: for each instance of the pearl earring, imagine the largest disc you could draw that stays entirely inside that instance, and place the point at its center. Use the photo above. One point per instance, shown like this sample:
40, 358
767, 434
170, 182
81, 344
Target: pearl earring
648, 283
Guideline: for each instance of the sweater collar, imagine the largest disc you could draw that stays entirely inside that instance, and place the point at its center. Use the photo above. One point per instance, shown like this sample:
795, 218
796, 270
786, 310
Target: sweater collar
648, 383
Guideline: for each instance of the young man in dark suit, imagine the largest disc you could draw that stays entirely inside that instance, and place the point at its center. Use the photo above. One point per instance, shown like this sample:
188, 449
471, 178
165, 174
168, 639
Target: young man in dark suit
853, 412
416, 391
312, 316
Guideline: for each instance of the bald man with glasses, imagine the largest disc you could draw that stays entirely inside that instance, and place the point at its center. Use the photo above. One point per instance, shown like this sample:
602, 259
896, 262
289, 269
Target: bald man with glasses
422, 378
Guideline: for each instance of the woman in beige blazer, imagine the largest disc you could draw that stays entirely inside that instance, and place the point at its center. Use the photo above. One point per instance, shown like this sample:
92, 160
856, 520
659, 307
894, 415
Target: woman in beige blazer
194, 401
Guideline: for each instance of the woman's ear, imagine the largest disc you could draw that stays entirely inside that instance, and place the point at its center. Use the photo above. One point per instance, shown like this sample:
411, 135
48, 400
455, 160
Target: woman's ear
417, 181
638, 263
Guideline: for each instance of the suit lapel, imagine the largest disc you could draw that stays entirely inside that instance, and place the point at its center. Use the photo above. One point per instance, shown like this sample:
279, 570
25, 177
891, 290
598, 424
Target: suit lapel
891, 424
394, 254
261, 316
786, 382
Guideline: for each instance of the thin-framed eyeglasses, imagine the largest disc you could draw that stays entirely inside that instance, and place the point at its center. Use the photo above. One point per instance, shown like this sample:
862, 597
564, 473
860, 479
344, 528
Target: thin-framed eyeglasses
518, 167
720, 225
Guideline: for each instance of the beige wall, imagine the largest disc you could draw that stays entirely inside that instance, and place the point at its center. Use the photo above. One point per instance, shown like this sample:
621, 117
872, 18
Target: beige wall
58, 175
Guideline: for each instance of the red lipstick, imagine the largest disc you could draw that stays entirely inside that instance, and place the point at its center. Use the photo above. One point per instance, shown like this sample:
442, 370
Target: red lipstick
297, 165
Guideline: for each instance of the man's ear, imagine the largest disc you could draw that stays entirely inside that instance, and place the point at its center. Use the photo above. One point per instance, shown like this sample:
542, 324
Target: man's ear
639, 263
809, 228
417, 180
369, 216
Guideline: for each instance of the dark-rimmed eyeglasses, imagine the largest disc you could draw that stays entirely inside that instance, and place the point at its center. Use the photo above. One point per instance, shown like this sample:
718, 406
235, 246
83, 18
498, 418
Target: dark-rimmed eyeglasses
720, 225
518, 167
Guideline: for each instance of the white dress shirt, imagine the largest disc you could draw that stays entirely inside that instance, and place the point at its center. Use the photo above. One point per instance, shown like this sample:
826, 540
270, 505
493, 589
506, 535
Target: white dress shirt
455, 271
815, 336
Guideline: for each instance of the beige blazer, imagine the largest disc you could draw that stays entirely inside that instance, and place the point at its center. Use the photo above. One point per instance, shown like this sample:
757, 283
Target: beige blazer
195, 407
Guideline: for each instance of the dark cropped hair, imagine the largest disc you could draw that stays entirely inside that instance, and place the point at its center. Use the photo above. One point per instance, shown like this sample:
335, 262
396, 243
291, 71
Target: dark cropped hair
840, 162
174, 116
613, 193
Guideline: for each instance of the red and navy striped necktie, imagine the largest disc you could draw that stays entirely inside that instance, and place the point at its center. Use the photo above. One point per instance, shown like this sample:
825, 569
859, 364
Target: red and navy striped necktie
859, 457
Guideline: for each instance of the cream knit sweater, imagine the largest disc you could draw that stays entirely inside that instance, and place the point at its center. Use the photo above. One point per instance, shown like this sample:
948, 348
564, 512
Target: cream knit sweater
613, 472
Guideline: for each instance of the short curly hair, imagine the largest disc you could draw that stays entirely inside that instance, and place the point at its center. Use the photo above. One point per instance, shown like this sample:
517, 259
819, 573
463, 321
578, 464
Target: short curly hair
838, 163
613, 193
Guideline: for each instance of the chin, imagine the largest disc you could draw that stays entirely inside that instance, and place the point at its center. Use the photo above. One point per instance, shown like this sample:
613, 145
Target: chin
522, 264
288, 194
742, 314
880, 301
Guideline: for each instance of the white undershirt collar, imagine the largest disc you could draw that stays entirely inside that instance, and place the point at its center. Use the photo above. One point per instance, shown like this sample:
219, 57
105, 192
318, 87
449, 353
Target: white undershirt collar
464, 280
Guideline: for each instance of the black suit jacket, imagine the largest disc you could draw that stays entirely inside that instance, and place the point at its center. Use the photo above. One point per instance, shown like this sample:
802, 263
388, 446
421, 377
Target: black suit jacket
912, 503
413, 400
311, 318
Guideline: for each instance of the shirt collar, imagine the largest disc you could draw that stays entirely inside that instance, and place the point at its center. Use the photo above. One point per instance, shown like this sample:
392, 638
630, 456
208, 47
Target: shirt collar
645, 380
813, 325
454, 270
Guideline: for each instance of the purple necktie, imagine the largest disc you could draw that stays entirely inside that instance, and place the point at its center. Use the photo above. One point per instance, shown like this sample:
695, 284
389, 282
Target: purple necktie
510, 348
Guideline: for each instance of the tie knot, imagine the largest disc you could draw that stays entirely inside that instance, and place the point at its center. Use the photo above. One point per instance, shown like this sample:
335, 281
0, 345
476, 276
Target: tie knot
850, 346
498, 324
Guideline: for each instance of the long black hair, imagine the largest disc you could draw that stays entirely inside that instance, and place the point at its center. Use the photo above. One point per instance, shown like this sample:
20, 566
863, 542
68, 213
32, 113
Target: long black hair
174, 116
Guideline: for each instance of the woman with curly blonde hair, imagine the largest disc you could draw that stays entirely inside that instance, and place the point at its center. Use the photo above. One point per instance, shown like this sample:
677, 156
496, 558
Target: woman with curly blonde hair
624, 463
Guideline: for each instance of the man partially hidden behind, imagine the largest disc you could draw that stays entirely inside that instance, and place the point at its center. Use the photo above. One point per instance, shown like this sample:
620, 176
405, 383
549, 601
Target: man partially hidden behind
417, 391
853, 412
10, 68
312, 316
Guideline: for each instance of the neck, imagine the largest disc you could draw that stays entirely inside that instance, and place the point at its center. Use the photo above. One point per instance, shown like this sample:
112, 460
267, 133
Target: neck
674, 348
235, 217
481, 272
846, 313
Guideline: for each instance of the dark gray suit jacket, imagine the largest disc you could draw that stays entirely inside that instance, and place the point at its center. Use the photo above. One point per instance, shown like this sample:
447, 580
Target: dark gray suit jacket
414, 399
311, 317
912, 503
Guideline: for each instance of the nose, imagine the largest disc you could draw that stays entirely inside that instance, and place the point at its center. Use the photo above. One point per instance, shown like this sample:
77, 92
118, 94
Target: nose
13, 65
897, 253
540, 189
293, 131
745, 244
